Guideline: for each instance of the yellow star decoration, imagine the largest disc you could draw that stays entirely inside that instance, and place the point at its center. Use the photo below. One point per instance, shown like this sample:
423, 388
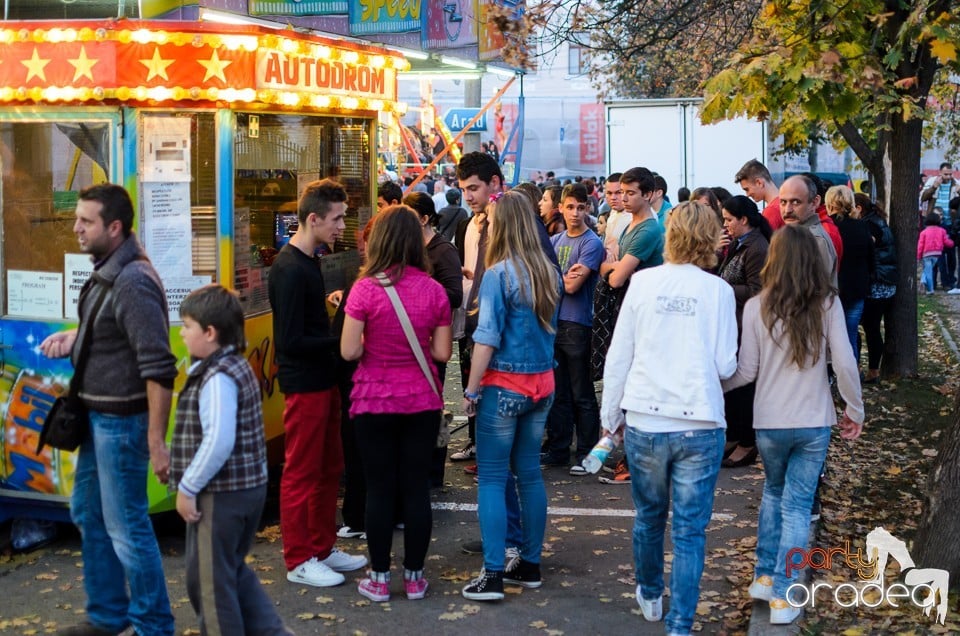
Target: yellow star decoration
83, 65
215, 67
35, 66
157, 65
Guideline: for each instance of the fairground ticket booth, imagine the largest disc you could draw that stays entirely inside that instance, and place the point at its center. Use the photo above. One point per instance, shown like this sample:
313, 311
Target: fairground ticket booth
213, 131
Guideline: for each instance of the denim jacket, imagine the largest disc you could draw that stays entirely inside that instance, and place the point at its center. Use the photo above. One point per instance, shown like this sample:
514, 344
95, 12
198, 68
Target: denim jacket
509, 324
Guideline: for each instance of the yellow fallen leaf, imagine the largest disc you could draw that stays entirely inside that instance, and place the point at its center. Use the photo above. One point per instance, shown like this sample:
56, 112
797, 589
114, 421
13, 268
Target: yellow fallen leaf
894, 470
538, 624
451, 616
323, 600
853, 631
306, 616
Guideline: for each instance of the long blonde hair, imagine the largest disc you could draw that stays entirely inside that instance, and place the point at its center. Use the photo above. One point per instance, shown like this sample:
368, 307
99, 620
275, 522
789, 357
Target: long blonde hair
514, 237
795, 287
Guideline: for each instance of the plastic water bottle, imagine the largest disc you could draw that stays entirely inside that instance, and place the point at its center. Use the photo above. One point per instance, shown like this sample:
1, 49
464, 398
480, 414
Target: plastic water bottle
592, 462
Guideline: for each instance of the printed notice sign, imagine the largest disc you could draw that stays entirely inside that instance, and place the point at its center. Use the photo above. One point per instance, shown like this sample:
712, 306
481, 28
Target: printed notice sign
167, 230
77, 268
36, 294
166, 149
177, 289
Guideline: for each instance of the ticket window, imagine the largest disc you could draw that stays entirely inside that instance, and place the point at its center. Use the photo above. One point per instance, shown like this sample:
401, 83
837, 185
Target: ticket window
276, 156
44, 166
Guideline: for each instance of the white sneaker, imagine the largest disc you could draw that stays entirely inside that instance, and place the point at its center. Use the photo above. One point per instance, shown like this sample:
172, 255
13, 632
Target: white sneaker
954, 291
315, 573
652, 610
782, 612
762, 588
340, 561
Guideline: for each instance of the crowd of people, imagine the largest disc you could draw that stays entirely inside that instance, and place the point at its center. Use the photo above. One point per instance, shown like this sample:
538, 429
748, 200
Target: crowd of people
545, 289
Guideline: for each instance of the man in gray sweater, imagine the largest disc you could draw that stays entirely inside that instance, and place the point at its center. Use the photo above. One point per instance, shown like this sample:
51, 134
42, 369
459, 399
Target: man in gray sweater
126, 386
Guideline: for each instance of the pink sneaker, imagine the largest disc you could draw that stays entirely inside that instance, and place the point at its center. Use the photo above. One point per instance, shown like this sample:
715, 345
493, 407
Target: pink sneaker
416, 589
377, 592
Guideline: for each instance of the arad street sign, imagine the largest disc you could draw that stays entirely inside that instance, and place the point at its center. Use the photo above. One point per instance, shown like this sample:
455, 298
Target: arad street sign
456, 119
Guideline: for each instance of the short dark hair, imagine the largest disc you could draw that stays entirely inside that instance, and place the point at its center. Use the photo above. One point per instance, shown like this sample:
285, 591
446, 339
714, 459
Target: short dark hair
932, 218
390, 192
453, 196
480, 165
660, 184
817, 183
575, 190
317, 197
614, 176
216, 306
422, 203
751, 170
683, 194
115, 204
642, 177
946, 164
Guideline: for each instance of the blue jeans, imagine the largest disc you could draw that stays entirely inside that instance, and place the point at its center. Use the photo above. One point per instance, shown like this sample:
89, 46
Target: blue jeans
109, 506
575, 400
929, 262
792, 460
509, 430
852, 312
688, 462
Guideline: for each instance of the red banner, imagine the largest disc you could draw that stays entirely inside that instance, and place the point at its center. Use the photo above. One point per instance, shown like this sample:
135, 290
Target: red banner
592, 134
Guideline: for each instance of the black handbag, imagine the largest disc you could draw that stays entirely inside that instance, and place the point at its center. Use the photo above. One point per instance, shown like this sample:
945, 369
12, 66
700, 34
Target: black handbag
67, 423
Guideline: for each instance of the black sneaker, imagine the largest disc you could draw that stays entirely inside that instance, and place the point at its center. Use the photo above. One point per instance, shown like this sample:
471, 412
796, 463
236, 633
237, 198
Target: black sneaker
551, 460
486, 587
472, 547
523, 573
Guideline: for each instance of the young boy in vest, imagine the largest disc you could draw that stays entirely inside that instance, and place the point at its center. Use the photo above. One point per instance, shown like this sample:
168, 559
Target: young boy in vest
218, 466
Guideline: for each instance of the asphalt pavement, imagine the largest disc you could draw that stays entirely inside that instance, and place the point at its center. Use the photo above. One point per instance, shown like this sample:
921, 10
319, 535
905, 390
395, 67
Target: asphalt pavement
587, 568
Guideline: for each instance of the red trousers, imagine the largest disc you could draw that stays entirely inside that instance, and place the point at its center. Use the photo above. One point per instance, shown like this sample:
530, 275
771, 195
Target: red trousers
311, 475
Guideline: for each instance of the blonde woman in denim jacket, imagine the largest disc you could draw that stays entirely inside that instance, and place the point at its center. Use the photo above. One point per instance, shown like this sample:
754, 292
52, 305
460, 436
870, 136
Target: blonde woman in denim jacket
511, 389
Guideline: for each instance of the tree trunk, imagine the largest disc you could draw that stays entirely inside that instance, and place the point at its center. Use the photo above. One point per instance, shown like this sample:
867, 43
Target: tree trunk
900, 354
935, 544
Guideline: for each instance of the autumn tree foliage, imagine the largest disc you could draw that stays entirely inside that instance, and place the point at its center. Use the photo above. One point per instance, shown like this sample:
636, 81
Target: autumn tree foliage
647, 48
863, 72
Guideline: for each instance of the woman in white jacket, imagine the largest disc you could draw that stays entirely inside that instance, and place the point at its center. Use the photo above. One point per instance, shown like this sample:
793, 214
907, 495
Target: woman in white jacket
675, 339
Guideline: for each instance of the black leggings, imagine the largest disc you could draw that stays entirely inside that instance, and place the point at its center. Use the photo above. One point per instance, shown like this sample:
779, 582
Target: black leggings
396, 450
875, 310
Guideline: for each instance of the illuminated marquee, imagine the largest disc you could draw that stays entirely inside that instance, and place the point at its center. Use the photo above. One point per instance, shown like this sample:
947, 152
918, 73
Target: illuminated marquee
293, 72
169, 61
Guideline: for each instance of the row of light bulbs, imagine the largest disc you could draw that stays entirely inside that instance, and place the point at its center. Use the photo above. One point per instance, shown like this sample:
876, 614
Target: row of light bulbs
231, 42
232, 95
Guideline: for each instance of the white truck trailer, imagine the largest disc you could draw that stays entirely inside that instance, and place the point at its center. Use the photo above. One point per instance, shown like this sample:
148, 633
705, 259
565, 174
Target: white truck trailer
666, 136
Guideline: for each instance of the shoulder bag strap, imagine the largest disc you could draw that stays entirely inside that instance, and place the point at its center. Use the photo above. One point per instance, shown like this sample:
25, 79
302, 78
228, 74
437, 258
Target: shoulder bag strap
407, 329
85, 341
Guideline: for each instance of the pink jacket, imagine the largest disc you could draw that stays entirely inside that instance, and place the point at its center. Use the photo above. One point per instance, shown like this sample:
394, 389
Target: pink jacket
933, 240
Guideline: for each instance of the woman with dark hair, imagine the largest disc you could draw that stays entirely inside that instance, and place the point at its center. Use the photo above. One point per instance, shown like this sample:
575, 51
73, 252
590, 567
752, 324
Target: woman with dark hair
883, 282
550, 210
395, 406
707, 197
748, 240
441, 253
787, 329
